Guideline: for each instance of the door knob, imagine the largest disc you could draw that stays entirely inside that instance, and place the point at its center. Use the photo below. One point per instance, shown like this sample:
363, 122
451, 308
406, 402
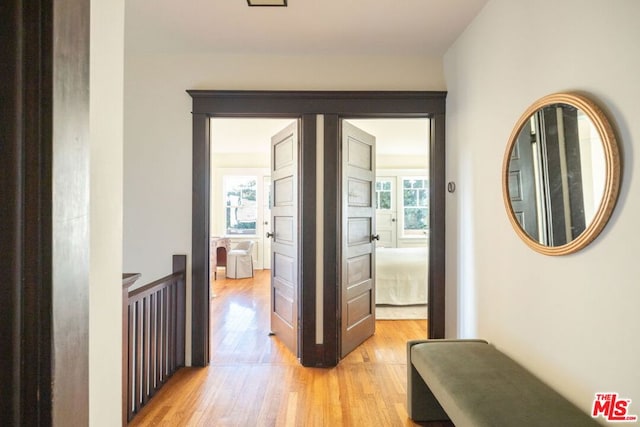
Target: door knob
269, 235
375, 237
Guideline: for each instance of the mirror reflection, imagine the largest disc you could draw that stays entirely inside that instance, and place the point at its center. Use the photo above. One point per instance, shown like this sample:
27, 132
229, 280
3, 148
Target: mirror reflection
556, 174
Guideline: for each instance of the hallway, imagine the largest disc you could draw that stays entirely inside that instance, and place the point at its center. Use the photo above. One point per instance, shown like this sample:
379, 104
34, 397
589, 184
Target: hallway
253, 380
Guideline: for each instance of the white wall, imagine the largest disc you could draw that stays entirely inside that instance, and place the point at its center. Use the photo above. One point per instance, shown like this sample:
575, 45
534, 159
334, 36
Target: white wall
106, 135
240, 160
157, 131
573, 320
387, 161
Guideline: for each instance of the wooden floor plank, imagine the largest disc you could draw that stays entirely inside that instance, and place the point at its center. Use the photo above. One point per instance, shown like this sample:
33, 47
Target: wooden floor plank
253, 380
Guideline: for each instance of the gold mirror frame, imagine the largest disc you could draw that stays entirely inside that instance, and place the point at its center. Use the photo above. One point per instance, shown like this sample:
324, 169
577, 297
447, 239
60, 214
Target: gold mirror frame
612, 163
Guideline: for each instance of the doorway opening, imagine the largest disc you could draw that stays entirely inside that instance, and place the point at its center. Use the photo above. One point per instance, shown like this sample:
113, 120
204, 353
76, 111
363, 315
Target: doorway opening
320, 114
402, 215
384, 223
246, 212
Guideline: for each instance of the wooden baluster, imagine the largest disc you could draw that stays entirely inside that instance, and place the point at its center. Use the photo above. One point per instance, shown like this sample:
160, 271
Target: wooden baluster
152, 344
172, 328
131, 362
180, 266
156, 341
165, 334
145, 350
138, 358
128, 279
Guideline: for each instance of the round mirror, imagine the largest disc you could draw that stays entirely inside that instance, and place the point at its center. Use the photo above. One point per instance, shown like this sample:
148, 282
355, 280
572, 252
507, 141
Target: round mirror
561, 174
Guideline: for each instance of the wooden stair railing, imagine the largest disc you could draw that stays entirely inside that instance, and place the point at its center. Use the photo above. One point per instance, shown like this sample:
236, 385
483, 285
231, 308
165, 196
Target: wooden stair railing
153, 335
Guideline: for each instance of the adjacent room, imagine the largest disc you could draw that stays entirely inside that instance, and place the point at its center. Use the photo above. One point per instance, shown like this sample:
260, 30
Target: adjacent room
240, 203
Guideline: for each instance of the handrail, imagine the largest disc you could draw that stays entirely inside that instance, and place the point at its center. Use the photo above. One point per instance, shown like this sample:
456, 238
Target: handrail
153, 335
146, 290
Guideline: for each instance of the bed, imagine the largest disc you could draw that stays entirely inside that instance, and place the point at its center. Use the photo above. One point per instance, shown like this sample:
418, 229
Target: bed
401, 276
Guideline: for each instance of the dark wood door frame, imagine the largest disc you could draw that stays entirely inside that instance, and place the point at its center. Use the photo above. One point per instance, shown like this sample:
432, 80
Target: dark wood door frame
306, 105
44, 166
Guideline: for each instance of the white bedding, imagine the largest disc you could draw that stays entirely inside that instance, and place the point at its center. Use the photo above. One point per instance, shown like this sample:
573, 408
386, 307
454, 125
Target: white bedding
401, 276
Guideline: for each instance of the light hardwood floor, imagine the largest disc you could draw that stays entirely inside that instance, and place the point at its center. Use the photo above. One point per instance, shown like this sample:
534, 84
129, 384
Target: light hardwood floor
253, 380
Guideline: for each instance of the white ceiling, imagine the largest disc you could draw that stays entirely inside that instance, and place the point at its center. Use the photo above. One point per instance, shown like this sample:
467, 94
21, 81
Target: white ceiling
393, 136
305, 27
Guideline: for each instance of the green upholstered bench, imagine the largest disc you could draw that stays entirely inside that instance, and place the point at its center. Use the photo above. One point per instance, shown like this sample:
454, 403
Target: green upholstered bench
471, 383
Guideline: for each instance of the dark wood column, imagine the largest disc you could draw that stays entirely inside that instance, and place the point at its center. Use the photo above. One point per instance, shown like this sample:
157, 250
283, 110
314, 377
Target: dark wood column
44, 213
25, 212
332, 196
307, 224
200, 241
437, 215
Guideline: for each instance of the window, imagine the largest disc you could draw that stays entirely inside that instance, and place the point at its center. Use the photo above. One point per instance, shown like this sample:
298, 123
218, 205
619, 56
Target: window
415, 206
383, 194
241, 205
